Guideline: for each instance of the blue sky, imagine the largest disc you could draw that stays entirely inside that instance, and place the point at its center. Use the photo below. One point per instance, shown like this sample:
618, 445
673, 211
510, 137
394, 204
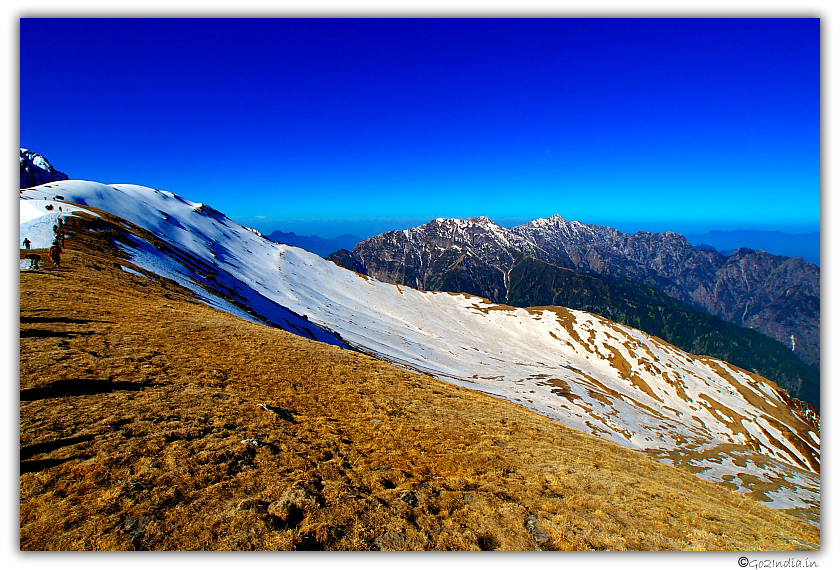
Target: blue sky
331, 126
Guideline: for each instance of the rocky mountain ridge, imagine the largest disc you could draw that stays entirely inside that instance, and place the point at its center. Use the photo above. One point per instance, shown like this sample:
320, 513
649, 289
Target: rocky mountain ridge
36, 170
776, 295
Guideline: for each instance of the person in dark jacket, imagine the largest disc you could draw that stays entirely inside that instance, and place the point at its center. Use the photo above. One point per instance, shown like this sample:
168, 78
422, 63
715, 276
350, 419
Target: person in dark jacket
26, 243
55, 254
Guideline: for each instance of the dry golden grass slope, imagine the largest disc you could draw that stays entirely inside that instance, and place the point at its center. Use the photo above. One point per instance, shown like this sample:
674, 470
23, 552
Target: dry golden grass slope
141, 427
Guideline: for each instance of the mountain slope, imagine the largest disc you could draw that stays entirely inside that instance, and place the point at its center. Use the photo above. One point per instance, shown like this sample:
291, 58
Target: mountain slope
535, 283
775, 295
141, 428
477, 257
580, 369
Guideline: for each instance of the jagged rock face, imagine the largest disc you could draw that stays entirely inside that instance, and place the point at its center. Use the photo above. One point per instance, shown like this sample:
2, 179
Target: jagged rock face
647, 257
344, 258
775, 295
779, 296
36, 170
470, 256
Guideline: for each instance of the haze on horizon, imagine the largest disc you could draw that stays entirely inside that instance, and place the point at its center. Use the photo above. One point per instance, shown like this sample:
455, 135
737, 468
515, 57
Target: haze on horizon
330, 126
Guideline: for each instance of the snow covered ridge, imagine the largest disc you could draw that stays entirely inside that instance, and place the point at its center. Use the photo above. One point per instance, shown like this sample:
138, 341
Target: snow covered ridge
580, 369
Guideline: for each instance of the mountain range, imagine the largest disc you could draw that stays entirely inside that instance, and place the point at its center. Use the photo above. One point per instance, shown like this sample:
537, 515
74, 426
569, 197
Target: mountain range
315, 244
774, 295
582, 370
806, 246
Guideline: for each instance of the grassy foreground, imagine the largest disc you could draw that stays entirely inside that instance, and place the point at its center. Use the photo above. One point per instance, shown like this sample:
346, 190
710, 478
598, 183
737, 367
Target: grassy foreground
141, 428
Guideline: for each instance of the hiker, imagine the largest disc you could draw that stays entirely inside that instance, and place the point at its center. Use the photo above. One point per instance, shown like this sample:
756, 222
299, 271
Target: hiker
55, 254
34, 259
26, 242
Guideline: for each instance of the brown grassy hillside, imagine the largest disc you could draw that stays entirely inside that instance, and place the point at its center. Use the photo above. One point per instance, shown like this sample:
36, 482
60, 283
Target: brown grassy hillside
136, 400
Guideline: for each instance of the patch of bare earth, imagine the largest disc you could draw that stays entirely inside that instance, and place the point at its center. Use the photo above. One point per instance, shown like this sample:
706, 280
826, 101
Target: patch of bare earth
141, 427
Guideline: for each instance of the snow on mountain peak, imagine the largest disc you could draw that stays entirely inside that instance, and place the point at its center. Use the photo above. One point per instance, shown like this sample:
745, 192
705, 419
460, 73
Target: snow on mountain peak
555, 220
36, 169
483, 221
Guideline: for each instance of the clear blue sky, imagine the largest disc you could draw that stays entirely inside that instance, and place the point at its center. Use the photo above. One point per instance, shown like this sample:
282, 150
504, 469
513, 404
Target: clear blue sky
330, 126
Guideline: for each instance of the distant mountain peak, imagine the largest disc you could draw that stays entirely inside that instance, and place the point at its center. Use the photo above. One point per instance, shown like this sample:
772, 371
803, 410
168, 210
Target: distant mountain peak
35, 170
555, 220
804, 245
315, 244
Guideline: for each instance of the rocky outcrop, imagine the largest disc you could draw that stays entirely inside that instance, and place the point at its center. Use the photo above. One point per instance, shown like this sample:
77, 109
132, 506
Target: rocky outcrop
344, 258
36, 170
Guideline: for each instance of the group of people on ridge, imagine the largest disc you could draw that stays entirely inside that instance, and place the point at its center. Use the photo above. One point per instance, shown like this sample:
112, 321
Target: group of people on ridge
54, 253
